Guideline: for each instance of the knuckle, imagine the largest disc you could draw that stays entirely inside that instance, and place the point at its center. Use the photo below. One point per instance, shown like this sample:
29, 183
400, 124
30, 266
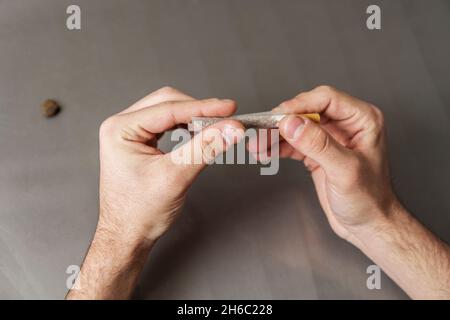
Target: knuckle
301, 95
166, 90
378, 117
325, 93
375, 123
108, 127
212, 101
208, 150
326, 89
211, 146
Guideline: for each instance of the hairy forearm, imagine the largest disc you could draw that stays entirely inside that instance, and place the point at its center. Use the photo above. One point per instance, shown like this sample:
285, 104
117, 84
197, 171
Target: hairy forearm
411, 255
111, 268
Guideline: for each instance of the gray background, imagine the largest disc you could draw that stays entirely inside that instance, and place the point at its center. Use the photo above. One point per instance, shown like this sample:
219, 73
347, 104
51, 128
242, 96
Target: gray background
241, 235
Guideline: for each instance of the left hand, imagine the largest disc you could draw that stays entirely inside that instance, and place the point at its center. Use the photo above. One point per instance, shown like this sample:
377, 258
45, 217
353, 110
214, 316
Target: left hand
142, 190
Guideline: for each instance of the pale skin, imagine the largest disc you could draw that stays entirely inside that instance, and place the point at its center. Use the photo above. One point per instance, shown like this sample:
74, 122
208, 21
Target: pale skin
142, 190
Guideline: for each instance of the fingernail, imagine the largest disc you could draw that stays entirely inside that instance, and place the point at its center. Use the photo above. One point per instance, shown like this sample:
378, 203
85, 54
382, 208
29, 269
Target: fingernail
293, 127
227, 100
231, 134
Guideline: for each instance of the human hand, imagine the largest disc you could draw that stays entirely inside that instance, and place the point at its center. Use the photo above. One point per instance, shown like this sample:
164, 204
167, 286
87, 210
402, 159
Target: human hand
142, 189
346, 155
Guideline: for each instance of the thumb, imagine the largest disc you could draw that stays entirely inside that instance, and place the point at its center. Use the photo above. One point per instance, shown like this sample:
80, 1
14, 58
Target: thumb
192, 157
315, 143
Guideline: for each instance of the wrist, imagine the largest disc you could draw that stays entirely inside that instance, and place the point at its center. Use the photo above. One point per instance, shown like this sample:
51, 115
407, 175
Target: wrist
384, 225
133, 225
111, 267
123, 239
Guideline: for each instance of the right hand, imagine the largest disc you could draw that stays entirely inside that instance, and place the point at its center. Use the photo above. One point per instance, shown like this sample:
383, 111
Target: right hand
346, 155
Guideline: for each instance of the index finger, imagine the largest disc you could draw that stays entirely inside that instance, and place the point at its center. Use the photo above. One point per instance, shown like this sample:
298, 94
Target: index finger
333, 104
161, 95
353, 122
164, 116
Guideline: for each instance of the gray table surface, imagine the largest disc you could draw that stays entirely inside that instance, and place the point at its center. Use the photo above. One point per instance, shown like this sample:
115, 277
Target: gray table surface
241, 235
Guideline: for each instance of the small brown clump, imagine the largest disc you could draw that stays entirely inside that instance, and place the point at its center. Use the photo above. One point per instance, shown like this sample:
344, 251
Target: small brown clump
50, 108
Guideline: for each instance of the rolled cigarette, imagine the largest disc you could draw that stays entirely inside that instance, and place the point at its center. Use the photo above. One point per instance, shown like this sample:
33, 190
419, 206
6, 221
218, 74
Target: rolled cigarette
260, 120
